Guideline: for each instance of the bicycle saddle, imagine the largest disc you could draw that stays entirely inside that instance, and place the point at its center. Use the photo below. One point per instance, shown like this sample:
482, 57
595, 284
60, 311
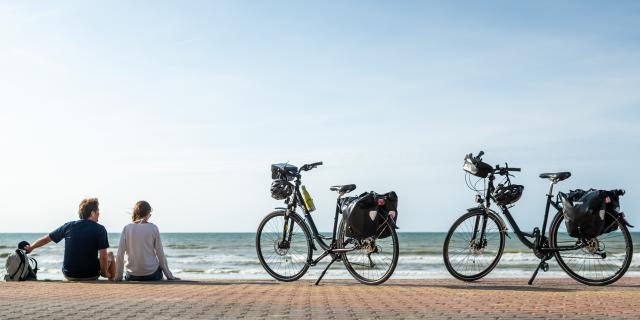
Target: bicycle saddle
344, 188
558, 176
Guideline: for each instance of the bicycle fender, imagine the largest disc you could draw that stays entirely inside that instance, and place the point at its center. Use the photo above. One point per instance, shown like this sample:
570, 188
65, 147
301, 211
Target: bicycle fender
624, 220
503, 226
393, 224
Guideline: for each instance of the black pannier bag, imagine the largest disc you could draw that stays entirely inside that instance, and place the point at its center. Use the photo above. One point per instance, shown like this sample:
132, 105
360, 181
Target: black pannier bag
612, 205
584, 212
366, 215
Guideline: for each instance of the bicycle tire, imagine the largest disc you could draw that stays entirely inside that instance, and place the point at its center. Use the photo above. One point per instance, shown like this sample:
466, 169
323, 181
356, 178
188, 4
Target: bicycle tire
352, 265
581, 273
276, 263
479, 273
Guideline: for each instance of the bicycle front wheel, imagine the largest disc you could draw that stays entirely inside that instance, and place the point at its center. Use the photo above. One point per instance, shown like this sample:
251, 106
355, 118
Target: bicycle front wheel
284, 254
372, 260
468, 254
599, 261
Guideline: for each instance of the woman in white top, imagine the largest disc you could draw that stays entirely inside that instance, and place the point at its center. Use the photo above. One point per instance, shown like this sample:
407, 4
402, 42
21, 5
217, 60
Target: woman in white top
140, 240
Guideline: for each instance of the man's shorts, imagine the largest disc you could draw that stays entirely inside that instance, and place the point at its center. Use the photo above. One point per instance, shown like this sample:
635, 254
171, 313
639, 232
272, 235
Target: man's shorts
67, 278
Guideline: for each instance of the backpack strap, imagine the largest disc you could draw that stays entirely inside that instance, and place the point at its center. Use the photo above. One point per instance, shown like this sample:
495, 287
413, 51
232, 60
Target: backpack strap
22, 262
35, 262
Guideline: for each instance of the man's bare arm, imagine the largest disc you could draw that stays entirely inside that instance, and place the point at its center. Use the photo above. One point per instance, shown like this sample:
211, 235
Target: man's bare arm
104, 263
39, 243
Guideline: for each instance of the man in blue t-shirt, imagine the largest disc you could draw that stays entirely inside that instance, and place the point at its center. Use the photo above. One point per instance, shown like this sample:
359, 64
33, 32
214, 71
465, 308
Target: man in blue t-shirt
84, 241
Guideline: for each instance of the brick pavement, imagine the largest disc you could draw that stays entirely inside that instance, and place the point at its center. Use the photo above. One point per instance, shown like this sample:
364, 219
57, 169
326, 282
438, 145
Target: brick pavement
333, 299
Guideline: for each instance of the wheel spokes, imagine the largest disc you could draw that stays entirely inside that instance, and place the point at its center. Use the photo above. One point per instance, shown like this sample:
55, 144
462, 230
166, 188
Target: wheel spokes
286, 257
600, 259
372, 258
468, 253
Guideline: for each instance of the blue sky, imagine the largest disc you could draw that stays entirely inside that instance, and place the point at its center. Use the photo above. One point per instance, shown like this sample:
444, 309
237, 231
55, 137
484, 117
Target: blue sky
187, 104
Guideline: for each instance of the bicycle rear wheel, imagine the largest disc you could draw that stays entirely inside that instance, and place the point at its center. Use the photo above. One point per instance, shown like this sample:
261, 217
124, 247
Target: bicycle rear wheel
602, 261
467, 255
284, 258
372, 260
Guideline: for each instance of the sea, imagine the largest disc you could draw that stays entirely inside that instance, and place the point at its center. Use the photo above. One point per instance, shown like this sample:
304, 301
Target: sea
233, 256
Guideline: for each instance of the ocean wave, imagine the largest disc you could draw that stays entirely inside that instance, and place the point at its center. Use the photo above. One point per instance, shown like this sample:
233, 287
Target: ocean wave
50, 260
4, 255
182, 256
186, 246
189, 270
222, 271
49, 271
218, 259
209, 271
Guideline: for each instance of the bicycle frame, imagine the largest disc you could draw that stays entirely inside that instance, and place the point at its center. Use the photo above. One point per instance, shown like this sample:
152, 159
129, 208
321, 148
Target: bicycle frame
329, 248
540, 244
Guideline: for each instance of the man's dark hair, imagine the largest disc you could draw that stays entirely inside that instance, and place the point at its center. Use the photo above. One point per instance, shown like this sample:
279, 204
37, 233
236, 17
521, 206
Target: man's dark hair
86, 207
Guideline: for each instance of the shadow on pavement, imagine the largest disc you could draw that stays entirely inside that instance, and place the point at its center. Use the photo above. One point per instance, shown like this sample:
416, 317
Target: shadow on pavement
545, 286
487, 287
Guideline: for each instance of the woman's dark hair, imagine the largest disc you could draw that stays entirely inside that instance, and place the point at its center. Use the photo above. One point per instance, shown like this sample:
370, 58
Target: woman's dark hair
141, 210
86, 207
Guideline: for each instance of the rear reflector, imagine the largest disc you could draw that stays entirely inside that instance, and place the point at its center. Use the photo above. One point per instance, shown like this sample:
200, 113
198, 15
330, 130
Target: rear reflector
381, 202
392, 215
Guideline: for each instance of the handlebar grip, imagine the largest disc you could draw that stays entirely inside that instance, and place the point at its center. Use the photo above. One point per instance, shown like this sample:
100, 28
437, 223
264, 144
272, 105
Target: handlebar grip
514, 169
310, 166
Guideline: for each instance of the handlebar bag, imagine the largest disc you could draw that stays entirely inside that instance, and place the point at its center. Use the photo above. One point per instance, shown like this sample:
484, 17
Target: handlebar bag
365, 218
476, 167
584, 212
283, 171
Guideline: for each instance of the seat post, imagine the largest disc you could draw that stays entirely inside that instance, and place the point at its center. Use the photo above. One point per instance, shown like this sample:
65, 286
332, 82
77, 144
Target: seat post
553, 182
546, 213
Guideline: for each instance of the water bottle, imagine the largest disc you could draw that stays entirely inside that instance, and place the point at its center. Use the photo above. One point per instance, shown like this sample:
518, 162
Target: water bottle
308, 202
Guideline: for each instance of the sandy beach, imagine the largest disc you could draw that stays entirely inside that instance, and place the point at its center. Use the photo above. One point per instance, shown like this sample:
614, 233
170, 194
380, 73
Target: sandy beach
333, 299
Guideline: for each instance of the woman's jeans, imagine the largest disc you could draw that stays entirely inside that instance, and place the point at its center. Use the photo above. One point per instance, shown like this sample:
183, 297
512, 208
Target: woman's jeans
156, 276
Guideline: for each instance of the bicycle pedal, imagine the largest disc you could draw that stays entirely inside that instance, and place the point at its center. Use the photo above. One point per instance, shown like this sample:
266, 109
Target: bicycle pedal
544, 266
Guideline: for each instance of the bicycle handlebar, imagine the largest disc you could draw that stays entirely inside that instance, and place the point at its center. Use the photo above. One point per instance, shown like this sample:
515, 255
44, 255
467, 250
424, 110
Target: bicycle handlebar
498, 169
310, 166
505, 170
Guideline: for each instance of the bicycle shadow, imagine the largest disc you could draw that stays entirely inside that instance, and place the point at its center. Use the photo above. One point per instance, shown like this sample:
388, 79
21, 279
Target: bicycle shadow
487, 287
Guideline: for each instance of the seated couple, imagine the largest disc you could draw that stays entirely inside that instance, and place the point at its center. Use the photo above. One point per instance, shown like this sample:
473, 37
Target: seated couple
86, 242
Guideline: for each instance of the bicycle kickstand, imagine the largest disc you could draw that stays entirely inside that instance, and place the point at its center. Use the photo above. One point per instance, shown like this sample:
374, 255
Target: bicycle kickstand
542, 265
333, 259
